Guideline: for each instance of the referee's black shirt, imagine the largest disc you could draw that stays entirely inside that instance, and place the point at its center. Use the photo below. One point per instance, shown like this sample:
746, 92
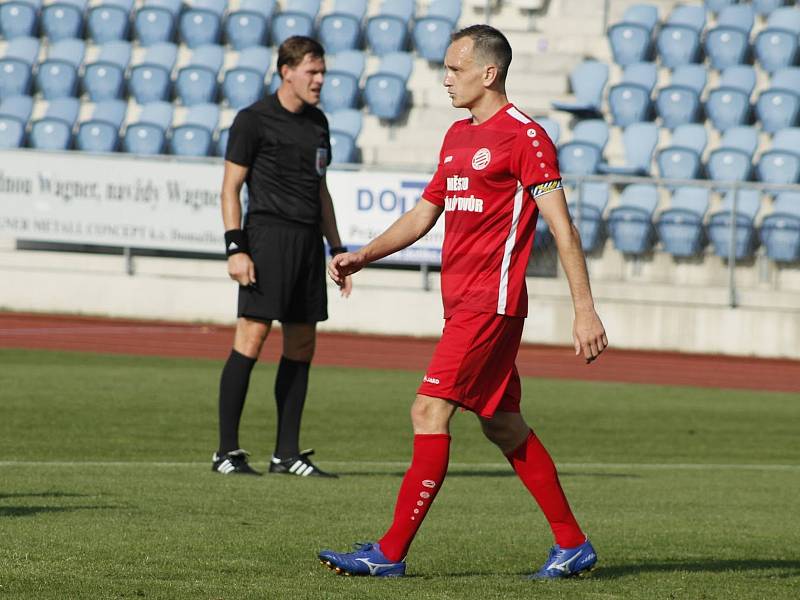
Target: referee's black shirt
286, 154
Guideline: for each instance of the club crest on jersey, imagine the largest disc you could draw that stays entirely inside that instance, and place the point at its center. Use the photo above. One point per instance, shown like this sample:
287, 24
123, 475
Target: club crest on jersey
322, 161
546, 188
481, 159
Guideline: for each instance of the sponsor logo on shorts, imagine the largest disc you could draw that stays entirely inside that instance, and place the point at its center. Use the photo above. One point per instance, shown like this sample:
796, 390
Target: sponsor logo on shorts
428, 483
546, 188
448, 159
432, 380
481, 159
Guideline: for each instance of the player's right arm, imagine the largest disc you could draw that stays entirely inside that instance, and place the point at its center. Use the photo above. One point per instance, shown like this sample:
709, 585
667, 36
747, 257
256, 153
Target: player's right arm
240, 265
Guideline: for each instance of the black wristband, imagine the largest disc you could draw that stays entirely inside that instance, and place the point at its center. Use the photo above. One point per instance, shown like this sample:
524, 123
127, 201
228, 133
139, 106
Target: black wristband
236, 242
337, 250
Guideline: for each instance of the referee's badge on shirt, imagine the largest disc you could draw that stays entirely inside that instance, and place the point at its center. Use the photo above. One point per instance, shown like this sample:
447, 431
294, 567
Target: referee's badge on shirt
322, 161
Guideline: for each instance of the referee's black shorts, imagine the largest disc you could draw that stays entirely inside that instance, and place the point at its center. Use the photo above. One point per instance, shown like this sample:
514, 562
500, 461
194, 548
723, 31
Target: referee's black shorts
290, 287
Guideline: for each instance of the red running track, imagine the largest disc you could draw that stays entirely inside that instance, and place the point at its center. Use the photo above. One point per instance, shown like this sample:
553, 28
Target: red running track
89, 334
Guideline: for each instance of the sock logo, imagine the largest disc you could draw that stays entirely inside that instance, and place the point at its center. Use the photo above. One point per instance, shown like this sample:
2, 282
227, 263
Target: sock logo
425, 495
428, 483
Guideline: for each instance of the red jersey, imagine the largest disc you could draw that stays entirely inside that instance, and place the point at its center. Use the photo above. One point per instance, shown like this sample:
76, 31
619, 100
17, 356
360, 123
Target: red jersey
488, 179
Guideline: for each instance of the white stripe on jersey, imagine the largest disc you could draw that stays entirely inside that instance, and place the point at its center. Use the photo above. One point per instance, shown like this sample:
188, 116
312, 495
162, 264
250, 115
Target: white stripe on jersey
514, 112
510, 241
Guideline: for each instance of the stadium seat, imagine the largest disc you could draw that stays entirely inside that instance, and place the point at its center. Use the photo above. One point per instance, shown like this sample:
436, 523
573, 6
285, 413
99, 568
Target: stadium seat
727, 43
431, 33
19, 18
275, 82
297, 18
109, 21
196, 82
16, 64
249, 24
780, 230
630, 224
680, 227
748, 203
781, 163
194, 136
156, 20
100, 131
341, 81
147, 135
53, 131
201, 22
587, 203
679, 102
150, 79
388, 30
629, 100
640, 140
14, 114
582, 154
716, 6
385, 91
345, 127
678, 42
729, 104
225, 121
551, 128
104, 78
732, 161
244, 83
776, 46
63, 19
779, 106
765, 7
631, 39
682, 158
587, 80
57, 75
340, 29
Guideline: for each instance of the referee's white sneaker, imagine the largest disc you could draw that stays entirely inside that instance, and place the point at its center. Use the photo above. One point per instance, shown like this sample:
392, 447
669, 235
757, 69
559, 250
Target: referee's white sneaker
299, 465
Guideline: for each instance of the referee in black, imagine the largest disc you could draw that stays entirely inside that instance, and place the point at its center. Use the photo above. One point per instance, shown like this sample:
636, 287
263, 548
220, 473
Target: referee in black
280, 147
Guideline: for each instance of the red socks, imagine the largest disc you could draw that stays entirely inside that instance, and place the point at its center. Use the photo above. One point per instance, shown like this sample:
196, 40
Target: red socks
420, 486
535, 468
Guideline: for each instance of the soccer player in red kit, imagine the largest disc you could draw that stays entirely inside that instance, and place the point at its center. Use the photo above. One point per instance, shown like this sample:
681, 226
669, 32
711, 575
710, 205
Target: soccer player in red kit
497, 171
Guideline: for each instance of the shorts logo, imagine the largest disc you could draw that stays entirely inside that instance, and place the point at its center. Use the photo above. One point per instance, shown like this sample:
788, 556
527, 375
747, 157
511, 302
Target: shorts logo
531, 133
322, 161
481, 159
546, 188
448, 159
432, 380
429, 483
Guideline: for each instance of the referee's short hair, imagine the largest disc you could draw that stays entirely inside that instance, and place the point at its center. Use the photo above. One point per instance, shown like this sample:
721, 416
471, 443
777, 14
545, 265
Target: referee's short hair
292, 51
490, 46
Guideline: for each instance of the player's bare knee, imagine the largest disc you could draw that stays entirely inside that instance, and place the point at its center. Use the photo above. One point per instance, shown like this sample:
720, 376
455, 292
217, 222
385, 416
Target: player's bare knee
430, 415
299, 342
250, 336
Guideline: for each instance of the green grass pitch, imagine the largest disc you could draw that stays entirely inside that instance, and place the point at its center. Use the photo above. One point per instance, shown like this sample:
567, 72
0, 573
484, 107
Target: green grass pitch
106, 489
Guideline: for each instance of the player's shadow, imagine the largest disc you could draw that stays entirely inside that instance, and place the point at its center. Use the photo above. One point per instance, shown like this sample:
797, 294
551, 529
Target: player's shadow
3, 495
496, 473
29, 511
701, 566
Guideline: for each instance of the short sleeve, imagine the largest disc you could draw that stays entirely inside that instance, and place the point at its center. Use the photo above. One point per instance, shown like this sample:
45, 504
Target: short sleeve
435, 190
243, 139
327, 128
536, 160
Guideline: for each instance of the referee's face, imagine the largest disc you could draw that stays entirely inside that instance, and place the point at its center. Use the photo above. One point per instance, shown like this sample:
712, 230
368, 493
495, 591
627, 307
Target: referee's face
305, 80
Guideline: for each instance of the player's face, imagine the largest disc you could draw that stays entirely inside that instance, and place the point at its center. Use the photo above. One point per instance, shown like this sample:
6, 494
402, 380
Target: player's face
463, 75
306, 78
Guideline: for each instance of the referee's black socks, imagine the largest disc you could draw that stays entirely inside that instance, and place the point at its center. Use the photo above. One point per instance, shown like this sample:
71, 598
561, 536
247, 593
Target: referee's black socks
232, 393
291, 385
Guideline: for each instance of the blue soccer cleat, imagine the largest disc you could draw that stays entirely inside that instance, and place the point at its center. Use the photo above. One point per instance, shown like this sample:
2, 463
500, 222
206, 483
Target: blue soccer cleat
366, 560
567, 562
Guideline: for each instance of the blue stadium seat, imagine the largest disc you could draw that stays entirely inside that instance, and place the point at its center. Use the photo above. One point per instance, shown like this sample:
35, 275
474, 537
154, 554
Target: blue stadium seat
16, 65
54, 130
431, 33
680, 227
388, 30
385, 91
682, 158
678, 42
781, 163
629, 100
341, 81
148, 134
57, 76
765, 7
275, 82
201, 22
587, 204
100, 132
63, 19
779, 106
195, 135
582, 154
249, 25
679, 102
631, 222
748, 203
196, 82
244, 83
345, 127
780, 230
340, 29
729, 104
14, 114
632, 38
776, 46
733, 160
587, 80
640, 141
19, 18
297, 18
150, 80
104, 78
109, 21
225, 121
551, 128
156, 21
716, 6
728, 42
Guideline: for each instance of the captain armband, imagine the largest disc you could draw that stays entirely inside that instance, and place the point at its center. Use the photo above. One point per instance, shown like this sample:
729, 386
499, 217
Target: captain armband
546, 187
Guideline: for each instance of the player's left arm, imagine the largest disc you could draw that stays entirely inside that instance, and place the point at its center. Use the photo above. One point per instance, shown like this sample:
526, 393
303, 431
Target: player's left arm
330, 229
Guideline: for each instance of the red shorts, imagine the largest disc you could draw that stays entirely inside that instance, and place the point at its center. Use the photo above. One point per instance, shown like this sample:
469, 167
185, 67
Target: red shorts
473, 364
